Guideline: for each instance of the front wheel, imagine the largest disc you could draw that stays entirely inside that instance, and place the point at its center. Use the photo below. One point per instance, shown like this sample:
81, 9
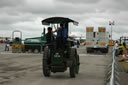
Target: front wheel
45, 65
36, 51
46, 70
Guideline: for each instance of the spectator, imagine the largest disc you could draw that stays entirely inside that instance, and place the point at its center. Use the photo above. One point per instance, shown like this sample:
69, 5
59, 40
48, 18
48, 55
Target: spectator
116, 48
124, 44
62, 34
121, 49
125, 54
7, 45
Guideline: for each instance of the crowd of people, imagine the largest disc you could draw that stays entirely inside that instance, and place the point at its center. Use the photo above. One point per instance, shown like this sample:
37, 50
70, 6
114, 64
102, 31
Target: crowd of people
121, 50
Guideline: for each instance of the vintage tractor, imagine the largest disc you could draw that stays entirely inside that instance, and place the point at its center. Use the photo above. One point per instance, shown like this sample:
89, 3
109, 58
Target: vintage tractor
17, 46
58, 60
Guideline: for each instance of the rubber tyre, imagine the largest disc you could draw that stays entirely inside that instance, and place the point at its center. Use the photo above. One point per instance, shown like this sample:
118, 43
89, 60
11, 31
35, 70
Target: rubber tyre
88, 51
29, 50
105, 51
72, 68
78, 65
45, 66
36, 51
72, 71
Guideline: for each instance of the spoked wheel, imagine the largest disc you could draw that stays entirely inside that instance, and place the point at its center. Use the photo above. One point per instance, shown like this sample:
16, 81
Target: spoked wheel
36, 51
46, 69
73, 66
29, 50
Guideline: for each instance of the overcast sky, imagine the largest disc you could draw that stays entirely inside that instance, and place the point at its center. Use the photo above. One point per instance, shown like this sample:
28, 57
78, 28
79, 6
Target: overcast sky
26, 15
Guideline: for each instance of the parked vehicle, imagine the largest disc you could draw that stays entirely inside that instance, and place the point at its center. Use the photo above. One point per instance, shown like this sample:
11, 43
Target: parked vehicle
35, 44
17, 46
97, 41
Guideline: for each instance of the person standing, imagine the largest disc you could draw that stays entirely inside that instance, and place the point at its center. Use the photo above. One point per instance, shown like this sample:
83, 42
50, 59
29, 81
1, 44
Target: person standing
121, 49
125, 54
7, 45
61, 36
116, 48
49, 35
124, 44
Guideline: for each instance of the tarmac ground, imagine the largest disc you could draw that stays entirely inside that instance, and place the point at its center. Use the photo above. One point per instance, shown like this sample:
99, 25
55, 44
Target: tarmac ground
26, 69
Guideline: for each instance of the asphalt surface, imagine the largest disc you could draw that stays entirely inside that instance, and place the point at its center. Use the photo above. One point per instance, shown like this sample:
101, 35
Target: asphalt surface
26, 69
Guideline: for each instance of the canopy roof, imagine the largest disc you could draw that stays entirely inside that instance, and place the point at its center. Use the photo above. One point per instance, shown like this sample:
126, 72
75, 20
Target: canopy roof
58, 20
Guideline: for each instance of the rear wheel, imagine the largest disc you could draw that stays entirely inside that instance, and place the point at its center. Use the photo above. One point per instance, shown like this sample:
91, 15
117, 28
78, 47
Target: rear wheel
36, 51
73, 66
46, 69
78, 63
105, 50
29, 50
89, 50
72, 71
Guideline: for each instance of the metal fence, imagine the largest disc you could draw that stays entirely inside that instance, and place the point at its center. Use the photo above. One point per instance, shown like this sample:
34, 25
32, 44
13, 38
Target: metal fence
113, 72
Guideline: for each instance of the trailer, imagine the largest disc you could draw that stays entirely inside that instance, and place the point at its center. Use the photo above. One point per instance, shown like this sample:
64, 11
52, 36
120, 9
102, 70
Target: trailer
97, 41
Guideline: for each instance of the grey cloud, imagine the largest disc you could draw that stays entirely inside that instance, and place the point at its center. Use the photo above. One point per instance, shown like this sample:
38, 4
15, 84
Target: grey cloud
24, 14
5, 27
8, 3
80, 1
114, 6
62, 8
14, 19
120, 29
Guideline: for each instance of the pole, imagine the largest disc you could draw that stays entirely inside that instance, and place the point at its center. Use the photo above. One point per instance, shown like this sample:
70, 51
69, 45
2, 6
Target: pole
111, 32
111, 23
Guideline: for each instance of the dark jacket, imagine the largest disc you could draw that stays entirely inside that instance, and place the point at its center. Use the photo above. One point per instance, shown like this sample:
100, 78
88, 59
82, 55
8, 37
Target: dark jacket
49, 37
